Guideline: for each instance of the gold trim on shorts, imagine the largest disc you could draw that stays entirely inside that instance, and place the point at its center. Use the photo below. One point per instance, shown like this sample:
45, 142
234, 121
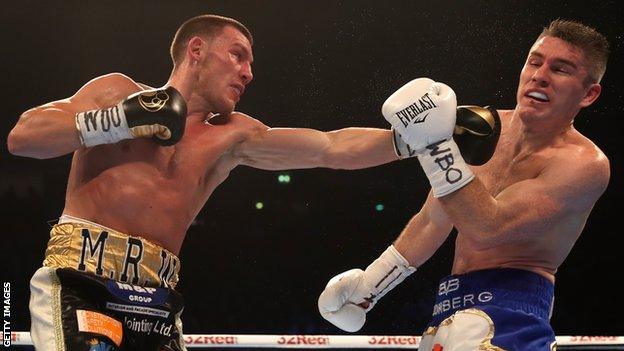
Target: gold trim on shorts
111, 254
485, 344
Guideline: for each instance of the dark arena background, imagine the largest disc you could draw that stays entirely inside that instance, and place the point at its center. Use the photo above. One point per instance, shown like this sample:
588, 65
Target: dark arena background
323, 65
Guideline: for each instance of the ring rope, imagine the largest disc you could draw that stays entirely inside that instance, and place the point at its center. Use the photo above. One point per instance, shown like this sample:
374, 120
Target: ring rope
337, 341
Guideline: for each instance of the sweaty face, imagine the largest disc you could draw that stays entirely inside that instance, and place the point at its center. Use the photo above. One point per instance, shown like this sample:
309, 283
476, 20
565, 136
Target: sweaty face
226, 70
552, 81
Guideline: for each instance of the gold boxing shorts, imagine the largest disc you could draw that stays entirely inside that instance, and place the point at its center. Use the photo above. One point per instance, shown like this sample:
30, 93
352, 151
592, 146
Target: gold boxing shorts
100, 289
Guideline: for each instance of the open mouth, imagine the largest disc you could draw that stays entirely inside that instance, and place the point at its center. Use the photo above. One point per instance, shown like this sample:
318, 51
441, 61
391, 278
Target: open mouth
537, 96
237, 89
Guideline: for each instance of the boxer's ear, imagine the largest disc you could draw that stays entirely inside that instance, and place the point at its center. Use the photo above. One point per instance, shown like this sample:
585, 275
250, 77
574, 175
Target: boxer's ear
194, 48
591, 95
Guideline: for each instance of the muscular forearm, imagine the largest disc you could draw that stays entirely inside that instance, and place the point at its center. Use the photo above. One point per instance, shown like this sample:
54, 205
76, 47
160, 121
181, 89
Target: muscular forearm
293, 148
44, 132
471, 208
420, 239
355, 148
490, 220
424, 233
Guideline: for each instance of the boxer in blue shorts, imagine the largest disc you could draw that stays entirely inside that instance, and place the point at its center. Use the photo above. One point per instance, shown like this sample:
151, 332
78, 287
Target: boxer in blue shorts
506, 309
518, 215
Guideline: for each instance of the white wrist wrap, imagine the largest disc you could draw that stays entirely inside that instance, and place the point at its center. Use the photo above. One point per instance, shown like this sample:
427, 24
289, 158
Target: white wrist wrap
104, 126
445, 167
401, 149
386, 272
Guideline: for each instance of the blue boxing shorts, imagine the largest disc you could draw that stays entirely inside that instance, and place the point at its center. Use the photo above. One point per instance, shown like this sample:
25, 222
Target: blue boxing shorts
492, 309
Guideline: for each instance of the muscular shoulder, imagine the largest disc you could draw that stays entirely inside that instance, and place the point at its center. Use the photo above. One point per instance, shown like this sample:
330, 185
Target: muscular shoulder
582, 170
247, 129
107, 90
247, 126
588, 156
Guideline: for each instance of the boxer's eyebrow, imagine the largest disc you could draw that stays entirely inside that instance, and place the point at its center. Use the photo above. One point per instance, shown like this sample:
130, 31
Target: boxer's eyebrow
246, 51
560, 60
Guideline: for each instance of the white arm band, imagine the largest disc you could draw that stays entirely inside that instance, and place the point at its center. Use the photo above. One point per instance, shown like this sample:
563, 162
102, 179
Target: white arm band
104, 126
445, 167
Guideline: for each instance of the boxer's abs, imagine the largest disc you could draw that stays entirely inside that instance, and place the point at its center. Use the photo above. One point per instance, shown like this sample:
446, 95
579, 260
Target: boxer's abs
468, 259
142, 196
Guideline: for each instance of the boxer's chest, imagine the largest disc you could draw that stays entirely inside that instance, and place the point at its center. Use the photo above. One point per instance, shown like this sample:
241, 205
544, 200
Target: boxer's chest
203, 157
507, 168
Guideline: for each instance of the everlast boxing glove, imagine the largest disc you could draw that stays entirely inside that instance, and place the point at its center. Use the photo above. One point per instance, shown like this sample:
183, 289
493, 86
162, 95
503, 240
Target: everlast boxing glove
476, 133
423, 112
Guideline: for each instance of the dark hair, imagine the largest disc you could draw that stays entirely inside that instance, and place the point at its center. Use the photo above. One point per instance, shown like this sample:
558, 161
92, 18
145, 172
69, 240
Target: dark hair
594, 45
207, 26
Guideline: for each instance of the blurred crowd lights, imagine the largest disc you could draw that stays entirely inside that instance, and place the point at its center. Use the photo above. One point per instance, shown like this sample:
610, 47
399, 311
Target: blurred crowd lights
283, 178
378, 207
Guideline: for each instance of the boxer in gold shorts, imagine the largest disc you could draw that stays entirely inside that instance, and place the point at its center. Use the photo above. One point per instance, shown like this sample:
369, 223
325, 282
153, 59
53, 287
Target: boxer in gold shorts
145, 161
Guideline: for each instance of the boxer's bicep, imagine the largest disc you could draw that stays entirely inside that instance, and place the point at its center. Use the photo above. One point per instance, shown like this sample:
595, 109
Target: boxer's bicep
104, 91
50, 130
578, 184
563, 189
99, 92
45, 131
525, 208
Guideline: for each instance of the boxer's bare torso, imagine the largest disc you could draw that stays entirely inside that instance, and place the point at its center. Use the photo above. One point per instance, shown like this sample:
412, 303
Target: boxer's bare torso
139, 188
543, 248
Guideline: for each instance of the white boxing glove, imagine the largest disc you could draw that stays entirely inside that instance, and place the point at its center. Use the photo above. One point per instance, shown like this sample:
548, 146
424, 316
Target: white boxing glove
422, 112
349, 295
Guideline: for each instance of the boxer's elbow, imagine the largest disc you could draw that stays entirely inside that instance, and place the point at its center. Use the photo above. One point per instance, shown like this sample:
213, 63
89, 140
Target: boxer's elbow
20, 143
17, 144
